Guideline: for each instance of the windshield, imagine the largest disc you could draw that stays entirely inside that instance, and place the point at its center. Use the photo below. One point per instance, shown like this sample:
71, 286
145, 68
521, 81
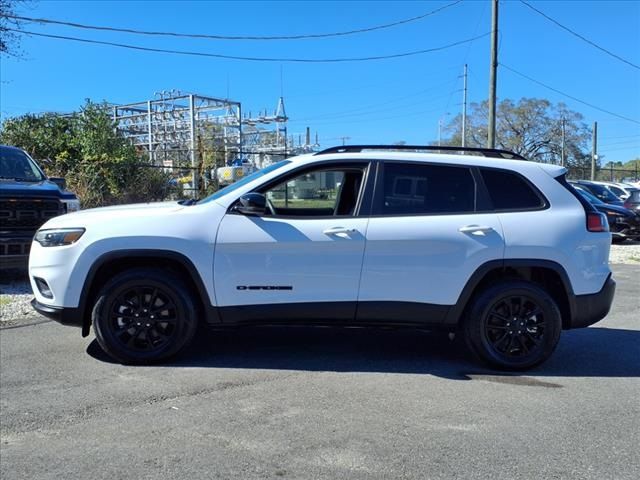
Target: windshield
602, 192
17, 165
244, 181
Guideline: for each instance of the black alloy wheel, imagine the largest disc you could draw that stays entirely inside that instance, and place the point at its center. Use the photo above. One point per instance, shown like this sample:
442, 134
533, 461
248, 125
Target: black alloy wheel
144, 318
513, 325
144, 315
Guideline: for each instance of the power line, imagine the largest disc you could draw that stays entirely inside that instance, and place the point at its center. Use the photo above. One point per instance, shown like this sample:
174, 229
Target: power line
575, 34
234, 37
253, 59
623, 136
569, 96
623, 142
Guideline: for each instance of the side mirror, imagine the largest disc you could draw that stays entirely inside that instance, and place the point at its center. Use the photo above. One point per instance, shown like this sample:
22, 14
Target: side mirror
59, 181
251, 204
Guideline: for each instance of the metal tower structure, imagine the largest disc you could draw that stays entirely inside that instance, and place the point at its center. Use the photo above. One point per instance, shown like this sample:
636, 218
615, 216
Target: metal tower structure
177, 129
264, 145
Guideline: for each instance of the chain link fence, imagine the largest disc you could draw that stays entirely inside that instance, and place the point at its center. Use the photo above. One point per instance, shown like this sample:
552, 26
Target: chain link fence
611, 174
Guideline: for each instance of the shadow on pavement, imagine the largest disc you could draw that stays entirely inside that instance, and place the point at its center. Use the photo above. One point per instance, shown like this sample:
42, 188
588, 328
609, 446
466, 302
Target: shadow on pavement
590, 352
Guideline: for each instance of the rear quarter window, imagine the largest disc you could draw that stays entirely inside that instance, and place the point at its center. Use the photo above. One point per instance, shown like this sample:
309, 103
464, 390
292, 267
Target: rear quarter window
510, 191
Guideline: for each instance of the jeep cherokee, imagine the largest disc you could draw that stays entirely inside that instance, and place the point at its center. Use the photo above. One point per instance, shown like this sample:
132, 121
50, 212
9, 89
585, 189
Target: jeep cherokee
478, 241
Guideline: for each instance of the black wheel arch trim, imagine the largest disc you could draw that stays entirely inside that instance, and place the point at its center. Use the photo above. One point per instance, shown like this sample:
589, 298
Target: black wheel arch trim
209, 311
454, 315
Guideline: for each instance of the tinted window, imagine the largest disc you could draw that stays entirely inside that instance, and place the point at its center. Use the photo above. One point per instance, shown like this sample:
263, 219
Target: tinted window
509, 191
422, 189
317, 193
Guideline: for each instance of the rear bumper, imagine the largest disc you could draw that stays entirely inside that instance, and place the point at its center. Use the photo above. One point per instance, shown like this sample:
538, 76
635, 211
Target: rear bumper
590, 309
63, 315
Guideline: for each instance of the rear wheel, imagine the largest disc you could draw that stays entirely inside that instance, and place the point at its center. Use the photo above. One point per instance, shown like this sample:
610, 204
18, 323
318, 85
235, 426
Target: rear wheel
144, 315
513, 325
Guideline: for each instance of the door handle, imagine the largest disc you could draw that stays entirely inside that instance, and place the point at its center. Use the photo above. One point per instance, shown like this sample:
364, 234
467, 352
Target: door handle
475, 229
337, 230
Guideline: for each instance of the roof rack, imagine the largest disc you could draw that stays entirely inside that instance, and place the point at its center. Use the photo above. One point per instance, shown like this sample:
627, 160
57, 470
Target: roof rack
485, 152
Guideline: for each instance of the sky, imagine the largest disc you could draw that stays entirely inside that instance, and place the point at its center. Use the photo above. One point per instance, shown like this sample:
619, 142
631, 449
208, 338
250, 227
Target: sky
384, 101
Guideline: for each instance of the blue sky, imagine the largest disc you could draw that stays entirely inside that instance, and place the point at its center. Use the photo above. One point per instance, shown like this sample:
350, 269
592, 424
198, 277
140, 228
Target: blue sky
370, 102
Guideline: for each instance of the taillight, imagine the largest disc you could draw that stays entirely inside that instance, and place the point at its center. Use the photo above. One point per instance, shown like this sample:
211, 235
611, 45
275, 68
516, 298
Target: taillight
597, 222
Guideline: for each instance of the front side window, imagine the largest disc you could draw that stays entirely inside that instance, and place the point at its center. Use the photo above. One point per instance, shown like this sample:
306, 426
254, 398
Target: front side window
427, 189
317, 193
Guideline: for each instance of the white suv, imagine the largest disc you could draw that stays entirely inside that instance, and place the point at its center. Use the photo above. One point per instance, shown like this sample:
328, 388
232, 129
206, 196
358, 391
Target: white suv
501, 249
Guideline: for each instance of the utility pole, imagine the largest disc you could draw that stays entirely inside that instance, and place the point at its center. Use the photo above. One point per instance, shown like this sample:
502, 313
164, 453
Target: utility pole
344, 139
192, 135
439, 131
493, 75
562, 159
594, 150
464, 108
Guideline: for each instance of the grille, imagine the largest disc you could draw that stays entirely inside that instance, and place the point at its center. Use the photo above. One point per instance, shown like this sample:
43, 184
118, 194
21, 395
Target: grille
27, 214
14, 248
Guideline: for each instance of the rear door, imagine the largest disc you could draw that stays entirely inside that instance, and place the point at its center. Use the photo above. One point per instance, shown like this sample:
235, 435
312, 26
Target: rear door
429, 231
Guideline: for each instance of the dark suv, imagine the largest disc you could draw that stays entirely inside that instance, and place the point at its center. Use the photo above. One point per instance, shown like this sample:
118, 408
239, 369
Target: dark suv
633, 202
27, 199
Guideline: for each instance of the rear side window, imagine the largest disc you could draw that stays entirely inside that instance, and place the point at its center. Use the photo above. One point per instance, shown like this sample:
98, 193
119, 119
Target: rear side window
427, 189
509, 191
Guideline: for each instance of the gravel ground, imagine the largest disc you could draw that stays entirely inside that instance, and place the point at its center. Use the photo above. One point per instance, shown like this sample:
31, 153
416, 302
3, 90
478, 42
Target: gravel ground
15, 297
15, 290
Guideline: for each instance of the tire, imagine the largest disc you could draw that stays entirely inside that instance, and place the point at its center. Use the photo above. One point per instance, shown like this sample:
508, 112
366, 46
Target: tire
513, 325
144, 315
617, 239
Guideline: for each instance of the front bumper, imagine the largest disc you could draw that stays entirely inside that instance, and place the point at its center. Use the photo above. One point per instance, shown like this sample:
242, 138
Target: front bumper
63, 315
589, 309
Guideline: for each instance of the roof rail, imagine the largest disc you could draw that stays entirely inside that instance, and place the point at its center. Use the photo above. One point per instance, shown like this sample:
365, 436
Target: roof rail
485, 152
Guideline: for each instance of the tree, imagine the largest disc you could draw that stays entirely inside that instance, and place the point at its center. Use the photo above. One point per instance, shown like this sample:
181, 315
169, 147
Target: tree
100, 165
9, 39
532, 127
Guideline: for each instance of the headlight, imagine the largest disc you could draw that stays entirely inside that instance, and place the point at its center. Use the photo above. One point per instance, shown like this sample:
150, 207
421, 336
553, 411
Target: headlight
56, 237
71, 204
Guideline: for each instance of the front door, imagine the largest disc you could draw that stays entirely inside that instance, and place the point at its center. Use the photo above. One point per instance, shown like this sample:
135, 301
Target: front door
301, 260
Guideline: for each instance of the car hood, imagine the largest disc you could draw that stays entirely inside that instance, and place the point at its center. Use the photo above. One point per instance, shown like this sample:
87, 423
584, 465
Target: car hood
45, 188
118, 213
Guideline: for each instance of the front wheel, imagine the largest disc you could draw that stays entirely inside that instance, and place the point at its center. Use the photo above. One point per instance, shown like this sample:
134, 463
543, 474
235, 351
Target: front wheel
144, 315
513, 325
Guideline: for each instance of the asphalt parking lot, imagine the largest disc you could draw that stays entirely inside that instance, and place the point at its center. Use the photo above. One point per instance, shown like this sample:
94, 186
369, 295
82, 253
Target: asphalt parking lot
322, 403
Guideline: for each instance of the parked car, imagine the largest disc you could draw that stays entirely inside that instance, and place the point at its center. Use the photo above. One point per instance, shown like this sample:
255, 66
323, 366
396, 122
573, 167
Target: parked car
633, 202
624, 224
601, 192
27, 200
620, 190
501, 250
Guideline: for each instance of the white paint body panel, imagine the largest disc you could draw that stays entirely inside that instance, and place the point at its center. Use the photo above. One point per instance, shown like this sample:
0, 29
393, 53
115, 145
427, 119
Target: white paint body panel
320, 267
189, 231
426, 258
